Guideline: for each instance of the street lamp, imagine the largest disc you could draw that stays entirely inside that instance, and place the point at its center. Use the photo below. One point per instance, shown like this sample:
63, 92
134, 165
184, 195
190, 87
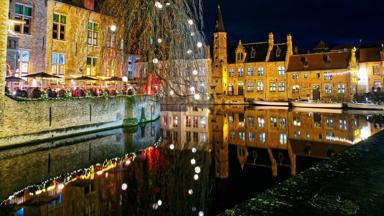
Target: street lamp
113, 28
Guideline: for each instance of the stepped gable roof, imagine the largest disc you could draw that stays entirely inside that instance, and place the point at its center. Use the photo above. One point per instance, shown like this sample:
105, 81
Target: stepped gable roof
319, 61
371, 54
256, 52
278, 52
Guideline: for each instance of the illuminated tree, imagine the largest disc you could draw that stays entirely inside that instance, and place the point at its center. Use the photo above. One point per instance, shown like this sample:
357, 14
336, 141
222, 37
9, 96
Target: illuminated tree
3, 49
166, 34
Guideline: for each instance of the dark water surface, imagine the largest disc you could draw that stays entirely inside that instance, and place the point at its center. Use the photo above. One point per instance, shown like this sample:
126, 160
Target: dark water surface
194, 160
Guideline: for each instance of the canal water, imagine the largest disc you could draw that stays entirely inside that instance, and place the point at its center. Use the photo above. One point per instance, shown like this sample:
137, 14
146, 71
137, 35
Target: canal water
194, 160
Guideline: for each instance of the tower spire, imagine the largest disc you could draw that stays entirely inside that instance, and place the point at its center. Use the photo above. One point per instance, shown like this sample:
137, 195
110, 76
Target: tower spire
219, 26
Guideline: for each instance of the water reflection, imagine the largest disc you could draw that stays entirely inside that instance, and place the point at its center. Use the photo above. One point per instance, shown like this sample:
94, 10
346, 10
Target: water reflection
194, 160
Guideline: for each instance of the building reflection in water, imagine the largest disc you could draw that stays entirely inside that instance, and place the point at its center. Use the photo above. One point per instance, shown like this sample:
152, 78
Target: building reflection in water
204, 154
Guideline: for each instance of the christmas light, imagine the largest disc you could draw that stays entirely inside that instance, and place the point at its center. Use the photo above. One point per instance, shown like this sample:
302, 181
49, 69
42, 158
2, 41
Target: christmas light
196, 177
190, 22
194, 150
155, 61
193, 161
124, 186
197, 169
197, 96
190, 191
158, 5
172, 146
199, 44
195, 72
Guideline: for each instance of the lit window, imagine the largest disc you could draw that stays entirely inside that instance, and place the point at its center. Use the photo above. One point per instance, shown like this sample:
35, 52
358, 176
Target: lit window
260, 121
328, 88
283, 123
327, 76
260, 71
296, 121
260, 86
230, 118
240, 72
203, 122
340, 88
281, 70
93, 30
281, 86
240, 88
343, 124
91, 66
242, 136
262, 137
376, 70
295, 76
250, 71
188, 121
251, 136
251, 121
232, 135
305, 75
24, 14
241, 119
250, 87
58, 62
330, 135
58, 30
196, 122
272, 86
273, 122
230, 89
283, 138
175, 121
308, 135
297, 134
231, 72
329, 122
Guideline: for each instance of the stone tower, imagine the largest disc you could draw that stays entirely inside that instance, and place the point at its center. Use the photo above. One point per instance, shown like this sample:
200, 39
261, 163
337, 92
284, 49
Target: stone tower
218, 79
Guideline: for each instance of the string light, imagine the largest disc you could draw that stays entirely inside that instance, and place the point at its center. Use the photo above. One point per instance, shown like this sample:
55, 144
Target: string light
190, 22
197, 96
158, 5
195, 72
193, 161
155, 61
196, 177
197, 170
199, 44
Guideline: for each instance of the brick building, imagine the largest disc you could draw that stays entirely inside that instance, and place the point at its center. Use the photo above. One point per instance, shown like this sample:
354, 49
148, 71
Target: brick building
371, 69
63, 38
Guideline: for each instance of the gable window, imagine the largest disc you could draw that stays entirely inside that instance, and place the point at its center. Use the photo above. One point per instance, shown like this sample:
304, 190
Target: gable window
58, 29
250, 71
24, 14
281, 86
272, 86
240, 72
327, 76
295, 76
340, 88
260, 71
231, 72
260, 86
93, 30
240, 56
250, 87
91, 66
58, 61
281, 70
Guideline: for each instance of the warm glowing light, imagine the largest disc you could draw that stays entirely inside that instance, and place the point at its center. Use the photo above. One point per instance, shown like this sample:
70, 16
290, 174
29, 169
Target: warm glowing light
60, 186
155, 206
190, 191
197, 96
196, 177
195, 72
100, 172
113, 28
201, 213
128, 162
193, 161
197, 169
199, 44
192, 89
192, 33
159, 40
158, 5
171, 92
125, 79
124, 186
159, 202
189, 51
190, 22
172, 146
155, 61
34, 83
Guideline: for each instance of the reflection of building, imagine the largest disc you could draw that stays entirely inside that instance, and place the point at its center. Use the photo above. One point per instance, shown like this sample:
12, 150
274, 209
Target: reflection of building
323, 76
64, 39
276, 137
249, 71
185, 126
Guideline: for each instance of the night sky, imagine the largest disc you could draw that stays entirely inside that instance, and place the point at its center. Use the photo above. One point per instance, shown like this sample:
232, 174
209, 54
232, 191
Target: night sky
309, 21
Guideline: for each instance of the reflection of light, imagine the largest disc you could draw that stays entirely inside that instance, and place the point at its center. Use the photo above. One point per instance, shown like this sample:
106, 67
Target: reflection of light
365, 132
193, 161
172, 146
124, 186
159, 202
60, 186
100, 172
128, 162
190, 191
194, 150
196, 177
201, 213
197, 170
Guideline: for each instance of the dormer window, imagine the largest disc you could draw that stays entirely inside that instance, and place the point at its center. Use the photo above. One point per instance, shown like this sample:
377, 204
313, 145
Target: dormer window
240, 56
327, 59
253, 53
304, 60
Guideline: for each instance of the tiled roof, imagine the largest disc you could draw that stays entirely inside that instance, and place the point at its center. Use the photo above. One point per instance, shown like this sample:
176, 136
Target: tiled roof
278, 53
319, 61
256, 52
369, 54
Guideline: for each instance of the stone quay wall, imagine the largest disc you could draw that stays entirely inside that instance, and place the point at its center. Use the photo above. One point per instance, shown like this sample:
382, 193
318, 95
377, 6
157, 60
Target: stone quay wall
33, 121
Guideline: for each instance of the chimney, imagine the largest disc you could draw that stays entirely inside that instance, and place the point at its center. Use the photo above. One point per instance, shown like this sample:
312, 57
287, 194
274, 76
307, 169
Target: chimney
270, 39
89, 4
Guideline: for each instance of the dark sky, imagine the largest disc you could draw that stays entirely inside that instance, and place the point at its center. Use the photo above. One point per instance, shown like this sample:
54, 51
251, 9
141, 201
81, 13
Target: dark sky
309, 21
